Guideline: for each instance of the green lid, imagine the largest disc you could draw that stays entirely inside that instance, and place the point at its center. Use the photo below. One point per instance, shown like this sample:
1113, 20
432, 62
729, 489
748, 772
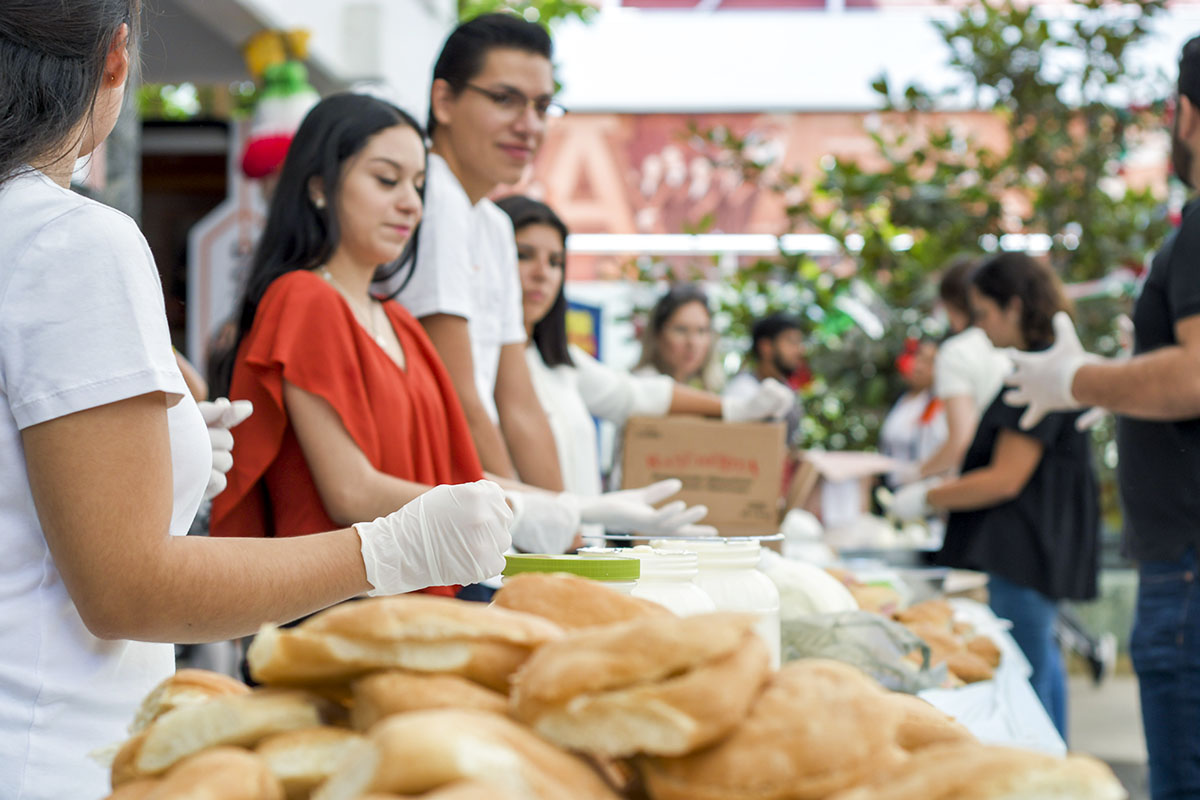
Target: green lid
608, 568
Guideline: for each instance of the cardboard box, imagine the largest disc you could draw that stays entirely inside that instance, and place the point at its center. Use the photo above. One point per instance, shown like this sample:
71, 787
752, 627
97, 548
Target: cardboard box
736, 469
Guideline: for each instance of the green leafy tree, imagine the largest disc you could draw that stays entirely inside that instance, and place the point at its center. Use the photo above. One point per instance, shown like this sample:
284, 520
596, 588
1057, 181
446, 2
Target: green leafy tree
1072, 107
547, 12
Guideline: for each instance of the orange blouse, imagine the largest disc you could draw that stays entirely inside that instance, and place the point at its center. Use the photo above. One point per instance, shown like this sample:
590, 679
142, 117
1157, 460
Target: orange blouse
408, 422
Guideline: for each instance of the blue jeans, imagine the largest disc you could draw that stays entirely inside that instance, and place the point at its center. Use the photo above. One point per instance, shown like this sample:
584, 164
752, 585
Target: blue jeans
1165, 648
1032, 615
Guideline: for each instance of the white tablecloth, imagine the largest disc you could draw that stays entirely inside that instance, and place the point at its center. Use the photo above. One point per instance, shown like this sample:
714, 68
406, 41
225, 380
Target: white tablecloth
1004, 710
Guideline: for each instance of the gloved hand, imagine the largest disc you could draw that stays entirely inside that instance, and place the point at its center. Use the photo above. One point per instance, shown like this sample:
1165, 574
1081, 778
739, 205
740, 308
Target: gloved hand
542, 522
220, 415
1043, 380
773, 400
633, 510
447, 536
1092, 417
909, 503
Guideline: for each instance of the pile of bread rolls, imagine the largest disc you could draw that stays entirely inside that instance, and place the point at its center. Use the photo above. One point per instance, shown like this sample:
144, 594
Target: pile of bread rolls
560, 689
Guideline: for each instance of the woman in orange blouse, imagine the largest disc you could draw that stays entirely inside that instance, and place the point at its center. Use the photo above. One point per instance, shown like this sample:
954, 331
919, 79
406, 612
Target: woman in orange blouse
354, 414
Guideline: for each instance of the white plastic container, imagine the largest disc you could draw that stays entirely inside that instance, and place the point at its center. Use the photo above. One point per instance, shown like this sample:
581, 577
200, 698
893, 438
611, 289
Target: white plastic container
667, 578
729, 575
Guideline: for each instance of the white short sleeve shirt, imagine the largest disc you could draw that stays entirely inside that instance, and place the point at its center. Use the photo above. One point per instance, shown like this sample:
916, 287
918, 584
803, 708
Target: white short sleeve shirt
81, 325
466, 266
968, 364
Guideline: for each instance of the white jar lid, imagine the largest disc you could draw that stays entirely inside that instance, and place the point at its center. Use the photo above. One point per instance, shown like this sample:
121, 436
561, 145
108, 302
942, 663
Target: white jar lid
656, 563
716, 553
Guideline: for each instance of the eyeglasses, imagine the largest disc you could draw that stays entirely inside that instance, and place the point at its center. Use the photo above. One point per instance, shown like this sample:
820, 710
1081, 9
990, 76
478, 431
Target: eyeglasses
513, 103
685, 332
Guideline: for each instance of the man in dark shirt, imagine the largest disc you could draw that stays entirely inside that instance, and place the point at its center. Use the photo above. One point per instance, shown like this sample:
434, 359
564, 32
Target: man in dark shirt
1156, 395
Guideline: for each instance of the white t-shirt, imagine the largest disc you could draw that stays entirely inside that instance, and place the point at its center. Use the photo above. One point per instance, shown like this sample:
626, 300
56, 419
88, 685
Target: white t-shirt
968, 364
81, 325
467, 267
913, 430
572, 395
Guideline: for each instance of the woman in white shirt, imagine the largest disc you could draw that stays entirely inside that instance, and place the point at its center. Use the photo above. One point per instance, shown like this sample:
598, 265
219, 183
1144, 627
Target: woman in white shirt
104, 455
572, 386
915, 427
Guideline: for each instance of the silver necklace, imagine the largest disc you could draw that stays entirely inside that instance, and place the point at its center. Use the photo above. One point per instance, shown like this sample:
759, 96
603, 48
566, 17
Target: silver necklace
369, 323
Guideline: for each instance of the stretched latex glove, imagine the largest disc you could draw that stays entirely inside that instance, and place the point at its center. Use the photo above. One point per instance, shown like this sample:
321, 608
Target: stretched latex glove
633, 510
447, 536
773, 400
1043, 380
543, 522
220, 415
909, 503
1091, 418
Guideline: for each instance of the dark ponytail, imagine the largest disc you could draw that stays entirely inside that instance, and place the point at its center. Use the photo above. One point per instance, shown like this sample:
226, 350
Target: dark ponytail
52, 55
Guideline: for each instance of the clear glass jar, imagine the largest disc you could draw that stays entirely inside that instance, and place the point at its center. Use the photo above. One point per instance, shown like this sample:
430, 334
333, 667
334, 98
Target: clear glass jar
617, 572
729, 574
667, 578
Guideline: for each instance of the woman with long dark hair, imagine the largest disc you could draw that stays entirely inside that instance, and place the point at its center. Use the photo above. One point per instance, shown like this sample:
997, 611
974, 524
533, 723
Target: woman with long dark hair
354, 411
679, 340
572, 386
1026, 508
104, 453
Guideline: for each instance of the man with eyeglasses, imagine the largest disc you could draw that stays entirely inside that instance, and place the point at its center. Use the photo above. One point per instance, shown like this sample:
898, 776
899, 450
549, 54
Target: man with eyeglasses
492, 91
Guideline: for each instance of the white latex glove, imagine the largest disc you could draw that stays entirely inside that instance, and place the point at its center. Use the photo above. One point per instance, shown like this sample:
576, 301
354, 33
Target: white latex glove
633, 510
1043, 380
543, 523
447, 536
909, 503
220, 415
1092, 417
773, 400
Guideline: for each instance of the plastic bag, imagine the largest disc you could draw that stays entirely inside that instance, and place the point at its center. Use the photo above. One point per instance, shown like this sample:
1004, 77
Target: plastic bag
876, 645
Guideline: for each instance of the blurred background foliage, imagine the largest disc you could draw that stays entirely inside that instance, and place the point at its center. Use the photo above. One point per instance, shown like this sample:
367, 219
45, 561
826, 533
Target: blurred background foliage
1073, 108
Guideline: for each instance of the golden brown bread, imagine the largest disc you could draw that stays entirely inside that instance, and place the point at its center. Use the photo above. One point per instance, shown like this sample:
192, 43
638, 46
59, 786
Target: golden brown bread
935, 612
922, 725
219, 773
986, 649
572, 602
876, 598
939, 638
968, 667
381, 694
428, 750
233, 720
412, 632
818, 727
185, 687
305, 758
652, 685
976, 772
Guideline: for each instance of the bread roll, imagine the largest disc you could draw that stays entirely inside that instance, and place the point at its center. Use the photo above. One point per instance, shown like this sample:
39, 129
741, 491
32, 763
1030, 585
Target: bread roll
305, 758
572, 602
221, 773
382, 694
922, 725
818, 727
976, 772
986, 649
935, 612
429, 750
186, 687
968, 667
654, 685
412, 632
234, 720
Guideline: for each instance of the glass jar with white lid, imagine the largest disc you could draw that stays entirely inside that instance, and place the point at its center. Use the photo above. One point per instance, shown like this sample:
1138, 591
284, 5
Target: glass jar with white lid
617, 572
667, 578
729, 574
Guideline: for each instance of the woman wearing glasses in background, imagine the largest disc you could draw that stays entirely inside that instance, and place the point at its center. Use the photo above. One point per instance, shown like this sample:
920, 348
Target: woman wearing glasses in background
679, 338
